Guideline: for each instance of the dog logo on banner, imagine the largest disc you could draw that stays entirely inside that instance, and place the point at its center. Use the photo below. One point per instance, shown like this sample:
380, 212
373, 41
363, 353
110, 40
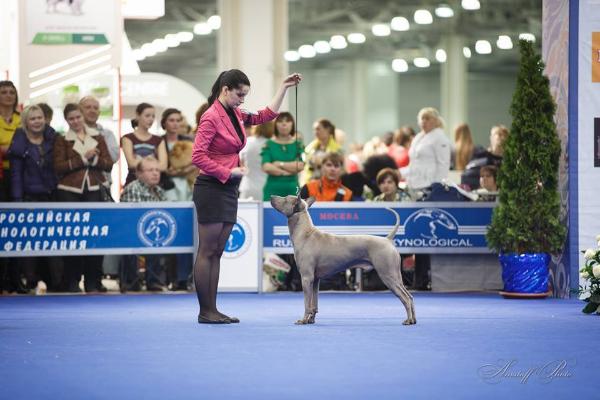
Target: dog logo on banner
239, 239
157, 228
432, 223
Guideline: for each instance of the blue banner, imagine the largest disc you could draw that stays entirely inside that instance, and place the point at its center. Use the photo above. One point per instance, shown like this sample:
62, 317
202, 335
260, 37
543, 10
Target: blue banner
455, 227
28, 229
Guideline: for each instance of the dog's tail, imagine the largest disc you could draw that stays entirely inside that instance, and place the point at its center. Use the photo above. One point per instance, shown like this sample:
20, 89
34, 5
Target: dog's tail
391, 235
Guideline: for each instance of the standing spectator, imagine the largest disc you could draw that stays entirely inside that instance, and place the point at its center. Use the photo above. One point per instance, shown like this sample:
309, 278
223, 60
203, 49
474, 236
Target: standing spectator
402, 139
146, 188
323, 143
170, 121
90, 107
252, 184
48, 112
141, 143
80, 158
219, 140
10, 120
491, 156
463, 147
282, 159
33, 180
429, 152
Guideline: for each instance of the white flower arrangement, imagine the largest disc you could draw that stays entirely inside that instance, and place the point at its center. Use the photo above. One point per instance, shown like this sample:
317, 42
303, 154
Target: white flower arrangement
591, 275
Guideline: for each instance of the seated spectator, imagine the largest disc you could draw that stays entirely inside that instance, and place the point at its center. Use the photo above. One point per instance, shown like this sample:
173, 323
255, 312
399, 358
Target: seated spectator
387, 181
487, 180
146, 188
354, 160
10, 120
282, 159
329, 187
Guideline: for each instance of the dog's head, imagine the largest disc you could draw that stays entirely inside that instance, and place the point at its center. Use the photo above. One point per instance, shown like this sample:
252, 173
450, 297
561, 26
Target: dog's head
290, 205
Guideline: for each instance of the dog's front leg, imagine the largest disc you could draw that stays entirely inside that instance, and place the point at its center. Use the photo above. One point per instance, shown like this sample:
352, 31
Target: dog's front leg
309, 313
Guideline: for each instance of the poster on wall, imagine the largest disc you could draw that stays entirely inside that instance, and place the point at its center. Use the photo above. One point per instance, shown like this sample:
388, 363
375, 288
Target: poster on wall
59, 22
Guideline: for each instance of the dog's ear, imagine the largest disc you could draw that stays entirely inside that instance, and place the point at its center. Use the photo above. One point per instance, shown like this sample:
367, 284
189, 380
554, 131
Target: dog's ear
310, 201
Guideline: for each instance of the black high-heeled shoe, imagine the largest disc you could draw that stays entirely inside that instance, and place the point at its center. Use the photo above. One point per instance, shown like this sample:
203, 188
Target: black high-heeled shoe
204, 320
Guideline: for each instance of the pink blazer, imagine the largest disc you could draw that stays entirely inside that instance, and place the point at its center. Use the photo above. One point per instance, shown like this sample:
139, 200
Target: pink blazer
217, 144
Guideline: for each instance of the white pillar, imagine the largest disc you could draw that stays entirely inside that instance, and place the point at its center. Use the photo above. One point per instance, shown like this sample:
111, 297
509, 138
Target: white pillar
454, 89
358, 131
253, 38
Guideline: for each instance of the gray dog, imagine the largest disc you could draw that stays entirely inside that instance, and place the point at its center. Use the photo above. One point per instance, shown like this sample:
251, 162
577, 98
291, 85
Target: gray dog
319, 254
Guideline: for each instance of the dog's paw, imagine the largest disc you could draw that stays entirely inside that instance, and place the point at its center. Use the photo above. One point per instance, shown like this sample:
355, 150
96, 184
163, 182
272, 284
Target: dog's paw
409, 321
302, 322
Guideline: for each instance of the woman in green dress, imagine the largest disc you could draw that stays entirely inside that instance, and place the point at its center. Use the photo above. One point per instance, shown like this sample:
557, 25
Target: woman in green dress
282, 158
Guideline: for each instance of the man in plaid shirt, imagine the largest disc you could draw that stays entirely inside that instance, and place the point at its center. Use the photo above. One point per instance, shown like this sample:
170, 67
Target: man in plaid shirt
145, 188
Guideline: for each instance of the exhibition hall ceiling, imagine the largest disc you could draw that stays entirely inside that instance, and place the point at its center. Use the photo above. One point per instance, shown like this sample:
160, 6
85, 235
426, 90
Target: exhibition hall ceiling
314, 21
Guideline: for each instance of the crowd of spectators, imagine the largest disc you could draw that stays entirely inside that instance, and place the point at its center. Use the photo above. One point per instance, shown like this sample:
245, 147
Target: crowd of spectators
40, 165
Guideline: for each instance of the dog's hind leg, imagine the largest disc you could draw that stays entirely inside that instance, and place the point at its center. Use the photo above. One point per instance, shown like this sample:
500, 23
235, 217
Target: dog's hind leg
394, 283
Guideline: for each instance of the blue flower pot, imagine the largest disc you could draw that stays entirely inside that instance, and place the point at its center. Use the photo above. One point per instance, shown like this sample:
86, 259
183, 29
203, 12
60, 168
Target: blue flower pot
525, 273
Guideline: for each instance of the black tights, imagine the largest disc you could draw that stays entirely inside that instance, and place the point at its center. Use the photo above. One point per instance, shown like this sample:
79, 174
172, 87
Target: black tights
213, 238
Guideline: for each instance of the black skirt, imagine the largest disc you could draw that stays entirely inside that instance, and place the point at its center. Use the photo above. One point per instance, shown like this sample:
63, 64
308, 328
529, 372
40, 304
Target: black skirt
216, 201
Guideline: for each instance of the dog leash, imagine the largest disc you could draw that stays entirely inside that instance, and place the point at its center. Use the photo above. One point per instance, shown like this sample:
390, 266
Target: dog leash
298, 155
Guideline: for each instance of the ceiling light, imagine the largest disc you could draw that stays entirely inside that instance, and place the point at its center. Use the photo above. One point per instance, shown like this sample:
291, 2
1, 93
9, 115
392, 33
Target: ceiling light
399, 65
444, 11
421, 62
214, 22
185, 36
148, 50
322, 47
483, 47
202, 28
338, 42
291, 55
440, 55
467, 52
471, 4
381, 30
356, 38
530, 37
307, 51
160, 45
504, 42
423, 17
400, 24
171, 40
138, 55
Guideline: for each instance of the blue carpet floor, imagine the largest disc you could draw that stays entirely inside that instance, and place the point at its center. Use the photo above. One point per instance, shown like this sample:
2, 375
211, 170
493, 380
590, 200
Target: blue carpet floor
150, 347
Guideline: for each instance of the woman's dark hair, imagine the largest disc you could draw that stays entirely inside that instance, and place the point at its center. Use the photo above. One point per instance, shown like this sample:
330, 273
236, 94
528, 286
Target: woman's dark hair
70, 108
325, 123
138, 111
404, 135
166, 114
47, 110
232, 79
285, 116
12, 85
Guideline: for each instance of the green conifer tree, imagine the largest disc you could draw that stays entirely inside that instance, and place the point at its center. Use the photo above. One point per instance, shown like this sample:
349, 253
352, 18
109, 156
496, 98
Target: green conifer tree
527, 217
